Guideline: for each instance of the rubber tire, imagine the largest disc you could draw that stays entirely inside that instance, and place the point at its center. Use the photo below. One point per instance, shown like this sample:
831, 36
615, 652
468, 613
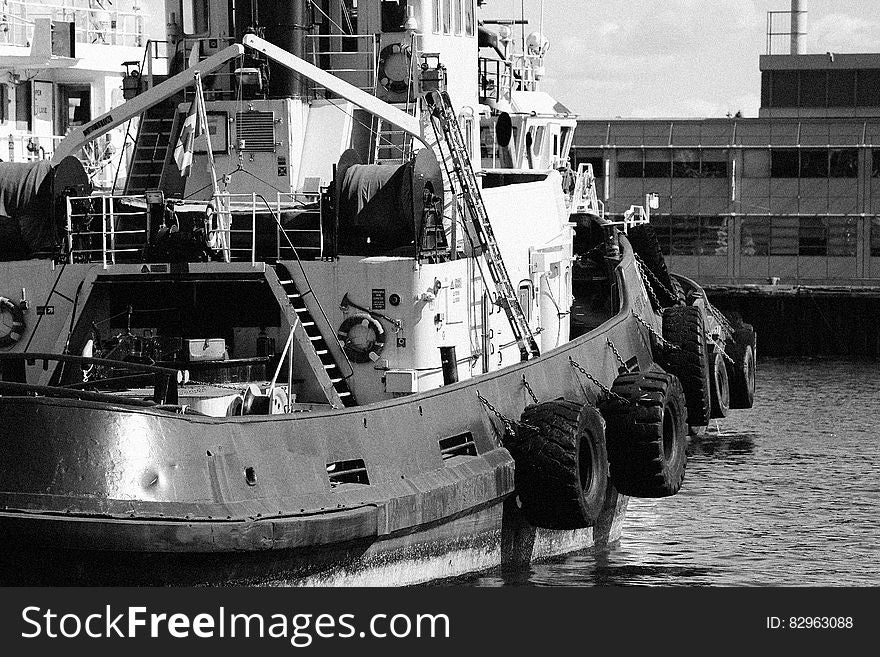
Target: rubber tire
562, 467
743, 349
683, 326
720, 386
645, 244
647, 437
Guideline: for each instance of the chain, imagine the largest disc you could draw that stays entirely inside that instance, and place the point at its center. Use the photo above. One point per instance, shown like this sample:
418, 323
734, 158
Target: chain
666, 344
648, 286
645, 270
605, 389
529, 389
616, 353
721, 318
509, 425
720, 350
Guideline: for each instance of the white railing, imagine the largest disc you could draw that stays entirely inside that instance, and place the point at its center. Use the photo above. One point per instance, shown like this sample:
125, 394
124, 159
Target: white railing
356, 65
107, 25
87, 242
28, 147
112, 229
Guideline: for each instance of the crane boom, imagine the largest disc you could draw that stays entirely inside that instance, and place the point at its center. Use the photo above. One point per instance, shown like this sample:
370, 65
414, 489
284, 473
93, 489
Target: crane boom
82, 135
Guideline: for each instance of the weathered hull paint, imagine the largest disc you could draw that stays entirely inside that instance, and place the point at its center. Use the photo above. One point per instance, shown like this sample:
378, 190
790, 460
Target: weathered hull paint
91, 493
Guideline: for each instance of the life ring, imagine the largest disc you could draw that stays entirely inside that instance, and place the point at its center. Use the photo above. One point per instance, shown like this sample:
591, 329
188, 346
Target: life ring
394, 68
16, 328
561, 465
362, 338
646, 433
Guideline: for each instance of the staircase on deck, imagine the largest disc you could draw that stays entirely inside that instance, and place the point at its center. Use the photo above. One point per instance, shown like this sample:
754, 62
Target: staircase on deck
324, 360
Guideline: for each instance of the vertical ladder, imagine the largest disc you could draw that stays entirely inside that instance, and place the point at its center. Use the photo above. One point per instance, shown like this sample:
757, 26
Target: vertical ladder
340, 393
150, 149
391, 144
447, 130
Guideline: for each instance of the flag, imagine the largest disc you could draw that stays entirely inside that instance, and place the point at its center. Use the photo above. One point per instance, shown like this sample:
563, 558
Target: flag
183, 151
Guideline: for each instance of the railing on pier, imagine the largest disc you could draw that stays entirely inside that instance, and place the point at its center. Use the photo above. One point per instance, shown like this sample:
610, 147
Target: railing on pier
242, 227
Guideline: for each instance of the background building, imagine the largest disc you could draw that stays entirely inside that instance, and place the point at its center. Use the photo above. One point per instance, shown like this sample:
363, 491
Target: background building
793, 194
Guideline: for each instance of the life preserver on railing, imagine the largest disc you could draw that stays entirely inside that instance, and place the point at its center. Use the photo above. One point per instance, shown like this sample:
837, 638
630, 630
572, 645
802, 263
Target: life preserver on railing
11, 329
362, 338
394, 68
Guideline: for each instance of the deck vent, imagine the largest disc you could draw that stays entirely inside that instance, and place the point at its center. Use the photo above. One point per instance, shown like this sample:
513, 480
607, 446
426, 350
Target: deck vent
348, 472
460, 445
255, 132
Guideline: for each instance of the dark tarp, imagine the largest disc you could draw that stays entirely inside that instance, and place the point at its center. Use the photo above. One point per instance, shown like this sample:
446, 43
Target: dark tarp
375, 211
25, 208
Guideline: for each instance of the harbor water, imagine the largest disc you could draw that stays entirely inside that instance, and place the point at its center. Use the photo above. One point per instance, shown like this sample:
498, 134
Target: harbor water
786, 494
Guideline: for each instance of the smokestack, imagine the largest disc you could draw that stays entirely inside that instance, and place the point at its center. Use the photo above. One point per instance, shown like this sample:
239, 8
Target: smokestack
799, 10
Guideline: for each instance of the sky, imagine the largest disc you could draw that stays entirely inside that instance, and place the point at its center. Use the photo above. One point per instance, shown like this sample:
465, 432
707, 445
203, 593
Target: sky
675, 58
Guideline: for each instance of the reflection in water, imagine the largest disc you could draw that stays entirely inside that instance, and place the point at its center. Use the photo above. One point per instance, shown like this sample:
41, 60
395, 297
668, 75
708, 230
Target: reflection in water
784, 494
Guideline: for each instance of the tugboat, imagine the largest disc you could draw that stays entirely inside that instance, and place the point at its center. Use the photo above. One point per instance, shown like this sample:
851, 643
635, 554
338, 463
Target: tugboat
327, 334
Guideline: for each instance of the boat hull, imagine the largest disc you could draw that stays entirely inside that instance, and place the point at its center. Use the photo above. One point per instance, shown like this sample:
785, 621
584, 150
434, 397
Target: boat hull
100, 494
482, 539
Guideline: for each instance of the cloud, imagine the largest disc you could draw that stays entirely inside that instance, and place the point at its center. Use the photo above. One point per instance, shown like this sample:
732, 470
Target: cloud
842, 33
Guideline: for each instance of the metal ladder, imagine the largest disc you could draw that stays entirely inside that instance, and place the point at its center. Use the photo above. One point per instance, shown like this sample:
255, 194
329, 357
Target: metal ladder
448, 133
151, 149
307, 323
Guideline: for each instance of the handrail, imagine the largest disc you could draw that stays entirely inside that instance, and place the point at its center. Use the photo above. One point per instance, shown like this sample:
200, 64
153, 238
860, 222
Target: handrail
165, 385
306, 278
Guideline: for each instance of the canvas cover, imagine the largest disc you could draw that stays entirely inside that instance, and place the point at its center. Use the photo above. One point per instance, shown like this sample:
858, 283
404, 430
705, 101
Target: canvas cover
26, 225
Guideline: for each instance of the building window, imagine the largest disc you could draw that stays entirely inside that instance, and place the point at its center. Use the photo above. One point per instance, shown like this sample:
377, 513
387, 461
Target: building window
662, 225
813, 87
755, 236
814, 163
842, 234
844, 163
784, 163
868, 88
875, 237
4, 103
459, 16
841, 88
588, 156
657, 164
436, 25
875, 163
784, 91
713, 236
447, 16
469, 17
631, 165
685, 235
756, 163
812, 237
685, 163
784, 236
714, 164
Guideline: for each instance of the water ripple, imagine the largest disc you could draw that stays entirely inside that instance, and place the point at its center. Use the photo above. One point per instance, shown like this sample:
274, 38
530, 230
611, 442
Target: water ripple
785, 494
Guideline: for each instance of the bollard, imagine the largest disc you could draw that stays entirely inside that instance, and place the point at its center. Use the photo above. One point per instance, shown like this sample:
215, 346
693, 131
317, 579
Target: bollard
450, 365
